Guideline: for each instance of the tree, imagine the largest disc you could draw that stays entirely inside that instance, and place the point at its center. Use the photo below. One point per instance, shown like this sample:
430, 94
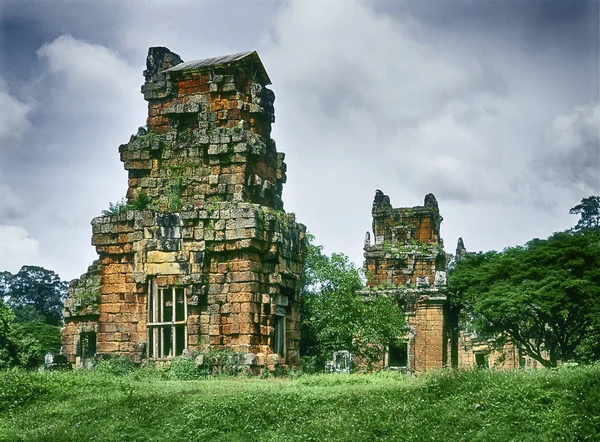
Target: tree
17, 348
6, 320
34, 294
334, 316
589, 209
542, 296
33, 340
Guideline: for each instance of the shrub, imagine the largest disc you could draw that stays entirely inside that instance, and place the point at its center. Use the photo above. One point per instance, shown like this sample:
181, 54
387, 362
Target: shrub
185, 369
311, 365
116, 366
140, 202
218, 362
174, 193
116, 208
47, 335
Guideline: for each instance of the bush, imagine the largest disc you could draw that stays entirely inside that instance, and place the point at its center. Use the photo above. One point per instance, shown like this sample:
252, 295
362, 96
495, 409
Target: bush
25, 344
116, 366
312, 365
140, 202
221, 362
47, 335
185, 369
116, 208
28, 352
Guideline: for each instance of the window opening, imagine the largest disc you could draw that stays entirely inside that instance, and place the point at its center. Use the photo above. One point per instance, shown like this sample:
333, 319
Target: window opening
87, 343
167, 321
481, 360
279, 334
398, 356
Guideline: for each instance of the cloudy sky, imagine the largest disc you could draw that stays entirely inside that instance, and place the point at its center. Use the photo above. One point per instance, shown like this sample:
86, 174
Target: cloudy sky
493, 106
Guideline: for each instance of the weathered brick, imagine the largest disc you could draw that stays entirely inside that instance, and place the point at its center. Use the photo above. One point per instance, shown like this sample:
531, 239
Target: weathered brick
216, 228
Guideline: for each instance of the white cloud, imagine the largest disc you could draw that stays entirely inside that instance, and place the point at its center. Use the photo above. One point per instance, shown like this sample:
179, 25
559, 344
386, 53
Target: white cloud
89, 78
194, 29
17, 248
370, 100
87, 104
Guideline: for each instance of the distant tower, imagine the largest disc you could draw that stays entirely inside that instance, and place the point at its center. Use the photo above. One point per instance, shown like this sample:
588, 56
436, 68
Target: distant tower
460, 249
407, 261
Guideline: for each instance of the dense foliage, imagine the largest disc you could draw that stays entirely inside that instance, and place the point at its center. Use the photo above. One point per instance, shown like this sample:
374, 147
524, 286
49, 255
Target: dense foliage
30, 314
334, 316
478, 405
46, 338
34, 294
543, 296
6, 320
25, 344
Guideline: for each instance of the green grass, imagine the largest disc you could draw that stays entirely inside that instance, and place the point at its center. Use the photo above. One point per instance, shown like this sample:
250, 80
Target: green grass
547, 405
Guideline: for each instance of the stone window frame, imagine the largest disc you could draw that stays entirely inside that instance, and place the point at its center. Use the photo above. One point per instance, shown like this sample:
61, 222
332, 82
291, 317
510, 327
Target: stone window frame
279, 335
405, 344
157, 324
87, 342
481, 359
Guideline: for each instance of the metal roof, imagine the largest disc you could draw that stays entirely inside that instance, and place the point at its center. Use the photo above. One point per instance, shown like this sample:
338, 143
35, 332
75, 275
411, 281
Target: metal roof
250, 59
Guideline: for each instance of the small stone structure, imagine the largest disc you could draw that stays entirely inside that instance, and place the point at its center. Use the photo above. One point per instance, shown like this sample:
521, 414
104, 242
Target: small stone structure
407, 261
205, 258
341, 362
81, 311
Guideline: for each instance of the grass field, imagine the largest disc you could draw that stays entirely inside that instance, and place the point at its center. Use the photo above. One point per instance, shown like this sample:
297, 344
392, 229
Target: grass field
547, 405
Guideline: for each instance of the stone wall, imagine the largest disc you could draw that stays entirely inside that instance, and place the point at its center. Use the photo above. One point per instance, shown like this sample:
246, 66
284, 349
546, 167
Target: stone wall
208, 134
206, 228
81, 310
407, 261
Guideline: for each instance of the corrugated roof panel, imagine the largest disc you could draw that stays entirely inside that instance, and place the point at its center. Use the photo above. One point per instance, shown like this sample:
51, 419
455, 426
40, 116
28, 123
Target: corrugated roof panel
224, 59
250, 58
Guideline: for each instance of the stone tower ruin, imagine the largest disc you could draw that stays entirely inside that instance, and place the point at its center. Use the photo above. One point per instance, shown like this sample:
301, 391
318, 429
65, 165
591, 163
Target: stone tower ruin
204, 257
407, 261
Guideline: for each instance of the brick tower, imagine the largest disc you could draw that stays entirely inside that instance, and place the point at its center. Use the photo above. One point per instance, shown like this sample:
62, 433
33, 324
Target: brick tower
407, 261
205, 257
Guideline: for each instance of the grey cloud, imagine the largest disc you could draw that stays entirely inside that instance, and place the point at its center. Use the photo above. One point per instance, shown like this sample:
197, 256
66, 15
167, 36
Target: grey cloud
572, 153
14, 121
87, 102
344, 61
11, 206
